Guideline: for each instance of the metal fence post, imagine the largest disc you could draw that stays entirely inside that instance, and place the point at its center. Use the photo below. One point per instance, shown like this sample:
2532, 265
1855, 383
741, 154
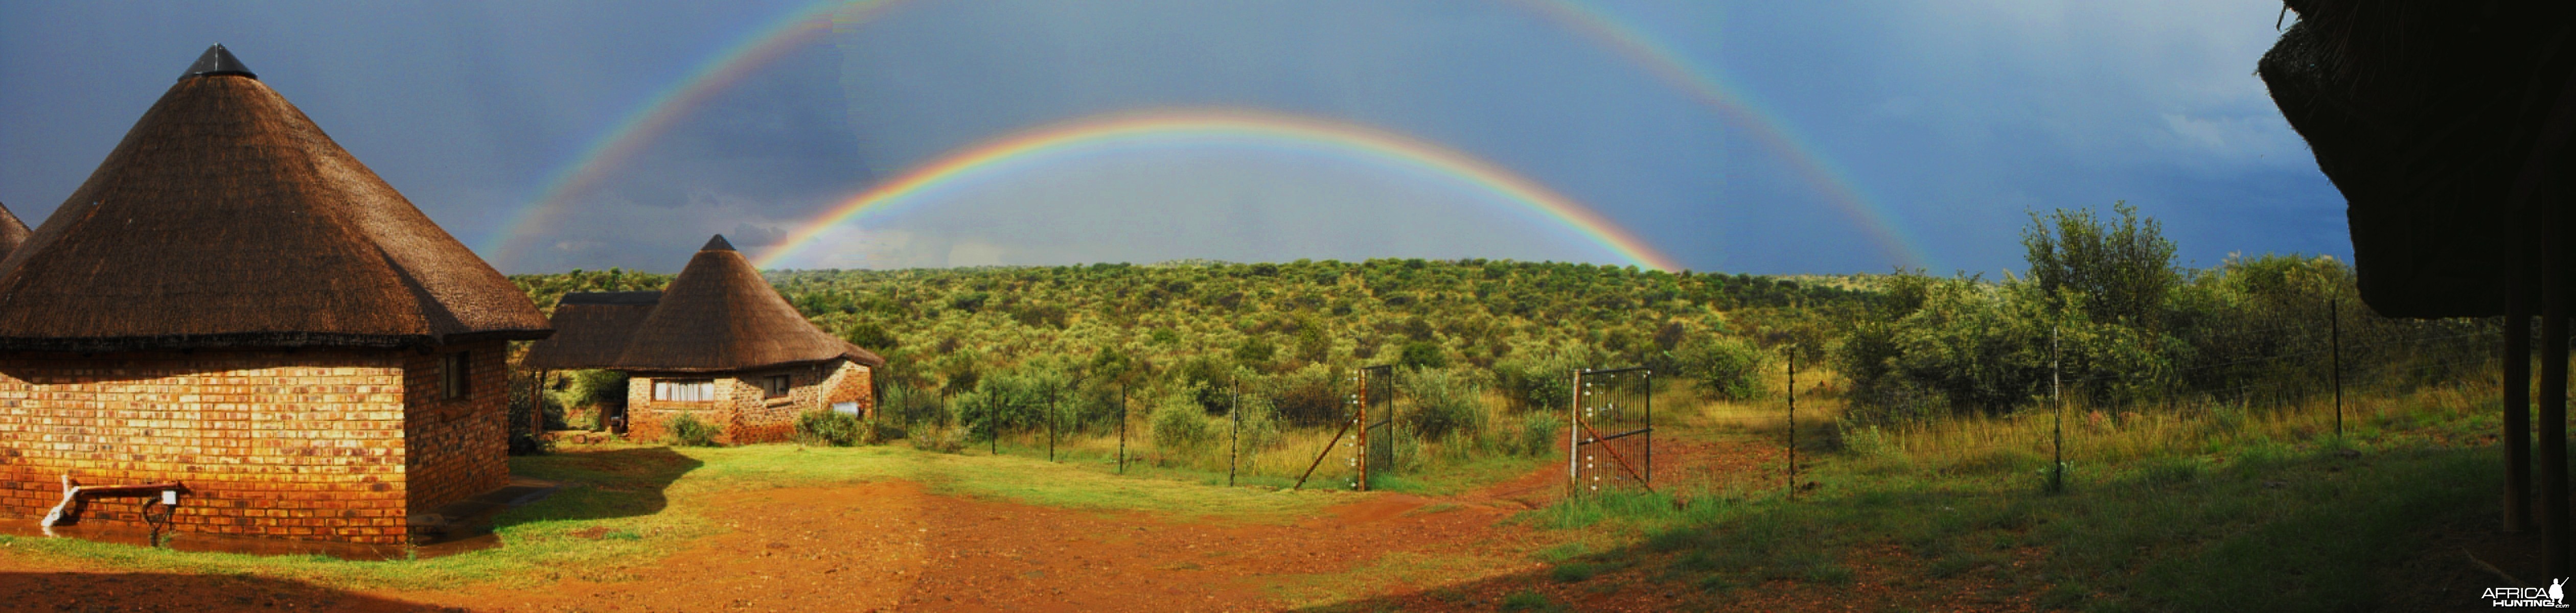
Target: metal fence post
2334, 344
1234, 454
1793, 424
2057, 406
1122, 428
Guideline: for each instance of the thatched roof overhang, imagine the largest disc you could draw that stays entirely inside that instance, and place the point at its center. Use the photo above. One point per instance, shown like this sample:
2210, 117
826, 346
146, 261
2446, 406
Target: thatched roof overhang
12, 232
227, 219
719, 315
591, 329
2428, 118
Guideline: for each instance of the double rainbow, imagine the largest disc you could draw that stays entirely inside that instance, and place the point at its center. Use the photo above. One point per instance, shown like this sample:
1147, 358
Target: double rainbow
1221, 127
816, 21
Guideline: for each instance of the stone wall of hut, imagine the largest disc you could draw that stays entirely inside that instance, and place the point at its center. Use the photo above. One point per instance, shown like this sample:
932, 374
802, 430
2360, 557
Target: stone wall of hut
740, 407
456, 447
304, 444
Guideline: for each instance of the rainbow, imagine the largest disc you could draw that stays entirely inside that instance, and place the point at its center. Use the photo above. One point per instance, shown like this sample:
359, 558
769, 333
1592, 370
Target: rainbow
814, 21
664, 110
1675, 69
1191, 128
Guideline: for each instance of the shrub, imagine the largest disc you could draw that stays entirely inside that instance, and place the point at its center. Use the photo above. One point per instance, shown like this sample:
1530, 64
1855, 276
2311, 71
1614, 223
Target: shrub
1180, 425
686, 431
942, 440
1539, 433
1310, 396
1726, 368
1442, 404
828, 427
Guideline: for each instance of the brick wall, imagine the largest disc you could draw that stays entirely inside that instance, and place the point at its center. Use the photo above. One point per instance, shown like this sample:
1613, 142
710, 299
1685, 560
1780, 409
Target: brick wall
304, 444
739, 406
852, 382
458, 447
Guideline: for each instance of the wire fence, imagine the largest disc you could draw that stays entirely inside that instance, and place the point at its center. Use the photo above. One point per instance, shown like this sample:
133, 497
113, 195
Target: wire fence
2309, 381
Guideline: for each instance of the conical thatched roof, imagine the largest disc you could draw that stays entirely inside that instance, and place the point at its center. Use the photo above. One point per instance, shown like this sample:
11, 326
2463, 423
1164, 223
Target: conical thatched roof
227, 219
2426, 115
12, 231
591, 329
719, 315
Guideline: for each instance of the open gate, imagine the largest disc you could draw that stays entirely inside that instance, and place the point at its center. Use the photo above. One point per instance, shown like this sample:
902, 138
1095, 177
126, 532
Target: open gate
1370, 410
1612, 439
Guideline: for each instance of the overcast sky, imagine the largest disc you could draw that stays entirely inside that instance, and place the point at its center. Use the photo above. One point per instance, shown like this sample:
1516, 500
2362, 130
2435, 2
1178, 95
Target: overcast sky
1945, 120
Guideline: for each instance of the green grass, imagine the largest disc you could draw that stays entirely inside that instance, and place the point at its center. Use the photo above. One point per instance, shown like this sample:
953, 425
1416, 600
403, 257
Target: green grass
2271, 519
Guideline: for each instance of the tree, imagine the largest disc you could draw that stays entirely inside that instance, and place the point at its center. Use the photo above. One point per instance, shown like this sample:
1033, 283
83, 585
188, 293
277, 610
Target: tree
2122, 273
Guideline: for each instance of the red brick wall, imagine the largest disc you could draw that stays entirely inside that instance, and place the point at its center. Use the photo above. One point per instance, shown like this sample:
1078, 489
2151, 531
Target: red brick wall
739, 407
457, 448
305, 444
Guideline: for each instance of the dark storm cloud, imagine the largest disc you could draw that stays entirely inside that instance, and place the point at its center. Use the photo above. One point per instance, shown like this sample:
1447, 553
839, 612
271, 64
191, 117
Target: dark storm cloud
1956, 117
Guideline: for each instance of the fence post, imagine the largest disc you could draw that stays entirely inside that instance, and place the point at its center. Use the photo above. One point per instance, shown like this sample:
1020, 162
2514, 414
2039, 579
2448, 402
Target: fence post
1793, 424
1051, 418
2334, 336
1574, 436
2057, 406
1234, 455
1122, 428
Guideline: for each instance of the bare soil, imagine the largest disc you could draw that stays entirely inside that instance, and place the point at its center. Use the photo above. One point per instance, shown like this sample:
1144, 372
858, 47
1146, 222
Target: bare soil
897, 546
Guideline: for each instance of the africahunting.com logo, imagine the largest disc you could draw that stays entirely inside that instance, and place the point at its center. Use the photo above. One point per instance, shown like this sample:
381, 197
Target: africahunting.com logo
2553, 597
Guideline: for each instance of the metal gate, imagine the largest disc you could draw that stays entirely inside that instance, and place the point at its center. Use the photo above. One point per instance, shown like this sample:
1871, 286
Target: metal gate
1370, 410
1377, 410
1612, 440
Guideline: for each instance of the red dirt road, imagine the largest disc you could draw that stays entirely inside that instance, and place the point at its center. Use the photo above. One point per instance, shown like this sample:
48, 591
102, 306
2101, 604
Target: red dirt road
896, 546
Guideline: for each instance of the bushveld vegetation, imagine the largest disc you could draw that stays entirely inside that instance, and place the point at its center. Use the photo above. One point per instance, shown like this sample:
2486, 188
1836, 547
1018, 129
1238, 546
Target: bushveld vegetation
1931, 408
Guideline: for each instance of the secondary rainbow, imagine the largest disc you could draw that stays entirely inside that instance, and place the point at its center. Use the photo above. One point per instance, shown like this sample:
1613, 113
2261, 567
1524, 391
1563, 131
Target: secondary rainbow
658, 114
1675, 69
814, 22
1222, 127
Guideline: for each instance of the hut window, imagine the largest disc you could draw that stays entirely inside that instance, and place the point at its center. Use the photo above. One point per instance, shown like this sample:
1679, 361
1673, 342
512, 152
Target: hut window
453, 369
685, 390
774, 385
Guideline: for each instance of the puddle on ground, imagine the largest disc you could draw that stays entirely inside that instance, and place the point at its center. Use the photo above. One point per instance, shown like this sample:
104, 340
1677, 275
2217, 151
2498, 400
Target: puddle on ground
469, 529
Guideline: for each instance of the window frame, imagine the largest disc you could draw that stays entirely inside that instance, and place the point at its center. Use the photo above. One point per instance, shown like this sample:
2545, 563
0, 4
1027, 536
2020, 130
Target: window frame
672, 390
456, 375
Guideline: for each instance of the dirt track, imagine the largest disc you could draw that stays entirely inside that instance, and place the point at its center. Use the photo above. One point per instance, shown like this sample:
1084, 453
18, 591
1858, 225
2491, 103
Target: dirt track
896, 546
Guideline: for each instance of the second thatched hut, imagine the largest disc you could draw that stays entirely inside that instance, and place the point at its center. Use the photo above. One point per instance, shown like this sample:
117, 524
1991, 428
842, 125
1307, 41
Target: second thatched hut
719, 347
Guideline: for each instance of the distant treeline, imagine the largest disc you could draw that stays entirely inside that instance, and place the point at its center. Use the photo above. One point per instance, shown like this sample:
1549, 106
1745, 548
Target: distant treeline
2103, 307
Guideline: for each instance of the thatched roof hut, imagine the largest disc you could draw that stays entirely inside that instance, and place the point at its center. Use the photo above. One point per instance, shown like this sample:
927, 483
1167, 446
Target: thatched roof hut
12, 231
591, 329
720, 315
2423, 115
226, 218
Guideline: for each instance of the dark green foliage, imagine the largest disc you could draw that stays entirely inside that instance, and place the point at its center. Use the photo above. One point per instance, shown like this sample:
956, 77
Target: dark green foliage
1422, 354
869, 335
2113, 319
1439, 404
2119, 273
832, 428
1726, 368
686, 431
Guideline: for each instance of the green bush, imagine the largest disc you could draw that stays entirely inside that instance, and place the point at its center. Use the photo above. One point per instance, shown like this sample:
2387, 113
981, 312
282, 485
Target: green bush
1539, 433
1442, 404
941, 440
1726, 367
1181, 426
686, 431
828, 427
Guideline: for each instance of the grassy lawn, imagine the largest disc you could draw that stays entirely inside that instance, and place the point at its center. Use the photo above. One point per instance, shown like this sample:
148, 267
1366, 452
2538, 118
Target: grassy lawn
2221, 513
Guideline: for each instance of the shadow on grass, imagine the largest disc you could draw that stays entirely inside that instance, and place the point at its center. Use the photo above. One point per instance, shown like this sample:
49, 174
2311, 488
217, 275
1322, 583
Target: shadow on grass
2313, 531
600, 484
177, 592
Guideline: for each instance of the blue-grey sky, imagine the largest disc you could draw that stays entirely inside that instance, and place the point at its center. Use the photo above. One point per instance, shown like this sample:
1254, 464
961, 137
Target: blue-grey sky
1950, 119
